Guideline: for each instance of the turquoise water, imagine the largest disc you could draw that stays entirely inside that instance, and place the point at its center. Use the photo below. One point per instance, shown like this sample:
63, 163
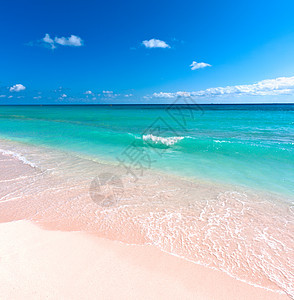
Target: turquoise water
249, 145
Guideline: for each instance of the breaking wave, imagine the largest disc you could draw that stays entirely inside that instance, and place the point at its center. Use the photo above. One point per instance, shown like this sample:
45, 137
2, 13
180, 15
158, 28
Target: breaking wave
167, 141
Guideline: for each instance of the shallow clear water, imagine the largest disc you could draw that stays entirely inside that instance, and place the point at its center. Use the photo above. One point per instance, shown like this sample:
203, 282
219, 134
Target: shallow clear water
251, 145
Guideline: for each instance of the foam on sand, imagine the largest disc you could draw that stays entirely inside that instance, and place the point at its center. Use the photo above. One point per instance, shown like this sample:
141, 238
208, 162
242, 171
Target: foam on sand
39, 264
18, 157
240, 232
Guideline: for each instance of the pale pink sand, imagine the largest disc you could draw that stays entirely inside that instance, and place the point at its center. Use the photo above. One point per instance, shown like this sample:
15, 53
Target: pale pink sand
41, 264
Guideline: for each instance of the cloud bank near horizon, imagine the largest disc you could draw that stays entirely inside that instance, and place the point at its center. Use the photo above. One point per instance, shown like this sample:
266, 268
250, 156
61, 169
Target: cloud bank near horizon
267, 87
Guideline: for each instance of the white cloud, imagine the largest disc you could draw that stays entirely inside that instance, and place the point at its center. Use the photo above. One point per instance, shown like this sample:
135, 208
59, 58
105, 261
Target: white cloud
164, 95
268, 87
49, 41
63, 96
195, 65
17, 88
88, 92
154, 43
37, 97
109, 94
2, 96
73, 41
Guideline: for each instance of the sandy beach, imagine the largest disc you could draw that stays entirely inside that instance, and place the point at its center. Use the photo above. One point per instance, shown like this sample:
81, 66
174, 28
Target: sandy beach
42, 264
52, 245
147, 150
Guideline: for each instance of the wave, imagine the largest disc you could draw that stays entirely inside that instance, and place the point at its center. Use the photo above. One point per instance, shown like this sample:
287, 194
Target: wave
241, 234
193, 145
167, 141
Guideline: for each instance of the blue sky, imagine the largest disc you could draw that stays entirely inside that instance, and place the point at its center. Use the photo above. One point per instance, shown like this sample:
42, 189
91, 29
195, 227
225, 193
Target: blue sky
66, 52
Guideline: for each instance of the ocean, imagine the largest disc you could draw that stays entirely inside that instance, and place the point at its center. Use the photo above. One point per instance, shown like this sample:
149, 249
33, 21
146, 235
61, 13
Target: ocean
250, 145
213, 184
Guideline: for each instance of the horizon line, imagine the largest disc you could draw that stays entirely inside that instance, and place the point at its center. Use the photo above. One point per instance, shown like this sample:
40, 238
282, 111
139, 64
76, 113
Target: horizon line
149, 104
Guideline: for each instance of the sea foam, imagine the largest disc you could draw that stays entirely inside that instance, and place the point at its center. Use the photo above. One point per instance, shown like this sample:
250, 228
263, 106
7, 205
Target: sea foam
18, 157
167, 141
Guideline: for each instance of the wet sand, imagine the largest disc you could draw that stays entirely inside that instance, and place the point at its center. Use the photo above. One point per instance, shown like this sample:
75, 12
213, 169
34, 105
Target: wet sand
42, 196
39, 264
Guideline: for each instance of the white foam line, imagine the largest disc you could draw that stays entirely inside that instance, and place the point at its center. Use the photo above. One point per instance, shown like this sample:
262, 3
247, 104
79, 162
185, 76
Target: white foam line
18, 157
168, 141
19, 178
278, 291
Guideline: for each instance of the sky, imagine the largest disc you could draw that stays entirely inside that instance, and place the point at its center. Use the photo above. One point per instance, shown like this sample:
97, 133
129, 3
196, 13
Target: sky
99, 52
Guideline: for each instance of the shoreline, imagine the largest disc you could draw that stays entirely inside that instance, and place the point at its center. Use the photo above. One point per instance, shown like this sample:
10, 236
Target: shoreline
114, 163
49, 218
40, 263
